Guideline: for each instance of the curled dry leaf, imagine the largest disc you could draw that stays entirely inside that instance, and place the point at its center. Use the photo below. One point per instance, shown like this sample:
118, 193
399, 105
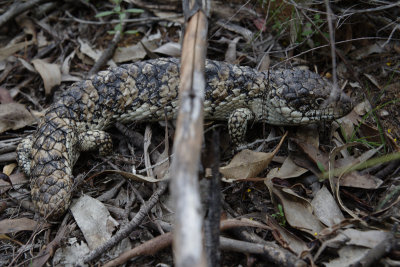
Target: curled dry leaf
49, 72
288, 170
14, 116
246, 164
171, 49
137, 51
286, 239
298, 210
20, 224
85, 48
230, 54
249, 163
27, 25
318, 157
94, 220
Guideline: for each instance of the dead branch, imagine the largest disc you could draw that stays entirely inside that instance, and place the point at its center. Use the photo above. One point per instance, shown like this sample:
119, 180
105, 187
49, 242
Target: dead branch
188, 236
150, 247
270, 252
211, 224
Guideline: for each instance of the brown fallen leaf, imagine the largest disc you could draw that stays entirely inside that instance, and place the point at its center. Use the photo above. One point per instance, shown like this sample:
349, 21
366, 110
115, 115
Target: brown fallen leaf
14, 116
14, 180
17, 225
286, 239
298, 210
49, 72
358, 180
8, 169
9, 50
249, 163
288, 170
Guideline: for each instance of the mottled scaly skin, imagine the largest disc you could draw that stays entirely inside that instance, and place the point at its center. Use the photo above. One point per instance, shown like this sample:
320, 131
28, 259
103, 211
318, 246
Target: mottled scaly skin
143, 91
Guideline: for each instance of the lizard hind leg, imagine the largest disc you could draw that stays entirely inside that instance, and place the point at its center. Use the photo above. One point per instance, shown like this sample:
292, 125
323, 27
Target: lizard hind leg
95, 139
237, 124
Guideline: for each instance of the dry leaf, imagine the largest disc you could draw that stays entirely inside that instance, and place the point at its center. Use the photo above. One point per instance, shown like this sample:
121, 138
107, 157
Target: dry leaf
8, 169
368, 239
86, 49
17, 180
286, 239
94, 220
249, 163
170, 49
14, 116
298, 211
49, 72
355, 179
288, 170
17, 225
246, 164
7, 51
137, 51
325, 208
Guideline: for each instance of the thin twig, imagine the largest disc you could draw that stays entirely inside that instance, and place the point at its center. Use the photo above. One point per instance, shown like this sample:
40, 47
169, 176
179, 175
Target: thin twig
329, 15
17, 9
275, 255
107, 54
138, 21
367, 10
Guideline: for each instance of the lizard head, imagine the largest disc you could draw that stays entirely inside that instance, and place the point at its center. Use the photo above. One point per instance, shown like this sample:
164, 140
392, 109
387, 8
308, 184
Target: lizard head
301, 97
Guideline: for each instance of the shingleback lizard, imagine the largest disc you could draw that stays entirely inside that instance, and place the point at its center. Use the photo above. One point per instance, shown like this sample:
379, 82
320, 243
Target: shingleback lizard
146, 91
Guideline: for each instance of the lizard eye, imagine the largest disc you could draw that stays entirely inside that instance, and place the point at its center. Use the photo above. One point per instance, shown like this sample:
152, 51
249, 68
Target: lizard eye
319, 101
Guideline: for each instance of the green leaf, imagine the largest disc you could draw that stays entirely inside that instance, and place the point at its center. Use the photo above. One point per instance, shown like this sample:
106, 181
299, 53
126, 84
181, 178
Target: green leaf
111, 32
134, 10
131, 32
104, 13
118, 27
320, 166
122, 16
307, 32
117, 9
